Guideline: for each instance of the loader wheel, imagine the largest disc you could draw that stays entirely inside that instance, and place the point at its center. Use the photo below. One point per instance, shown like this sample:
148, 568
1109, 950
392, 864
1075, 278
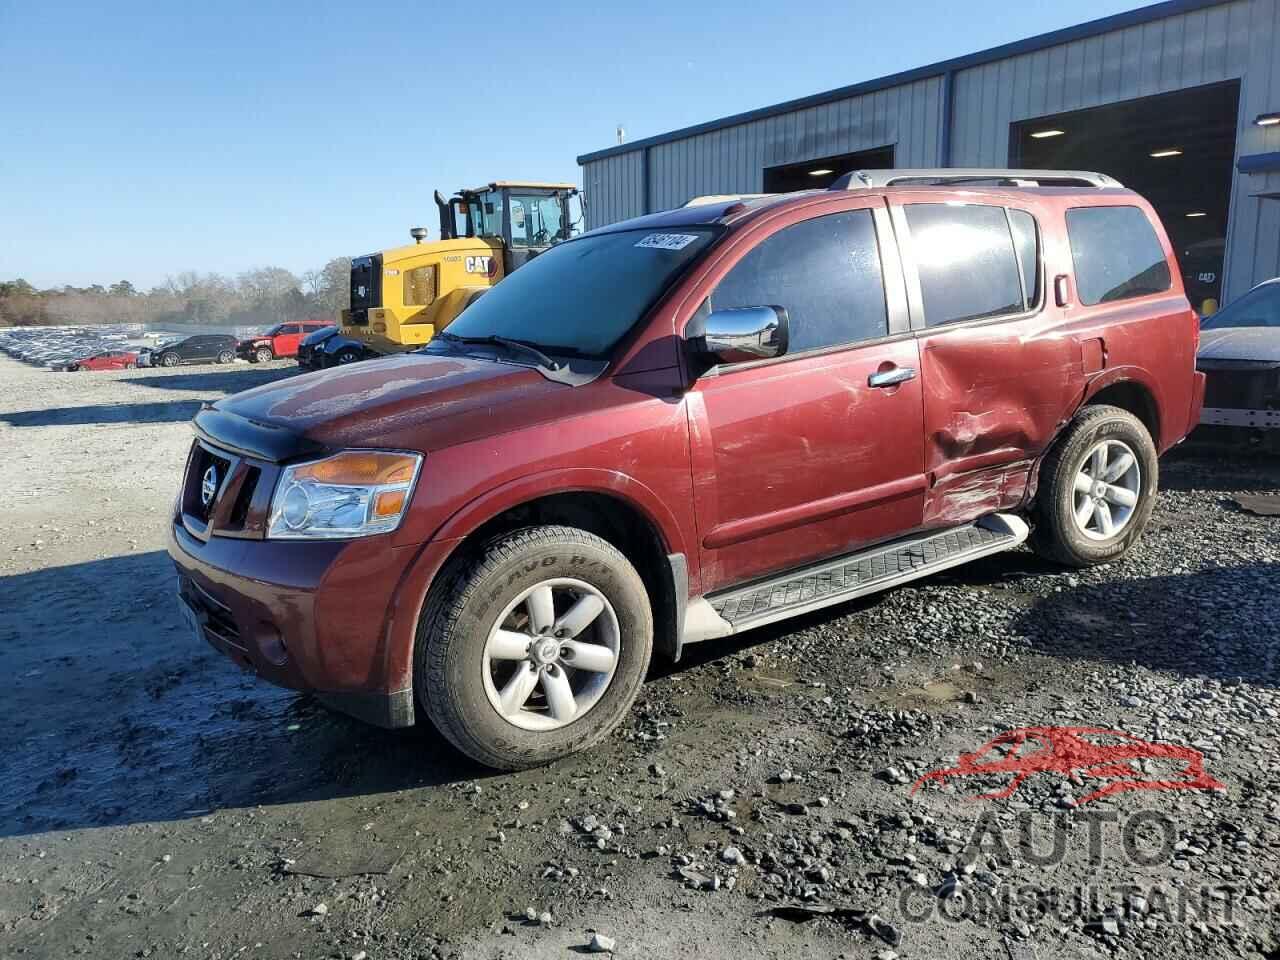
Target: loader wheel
1097, 488
535, 648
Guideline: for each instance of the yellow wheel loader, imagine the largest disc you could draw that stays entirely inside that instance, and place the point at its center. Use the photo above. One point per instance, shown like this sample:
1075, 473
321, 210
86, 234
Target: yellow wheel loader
401, 298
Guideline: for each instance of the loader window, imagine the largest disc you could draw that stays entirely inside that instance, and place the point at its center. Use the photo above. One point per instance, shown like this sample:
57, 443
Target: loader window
536, 221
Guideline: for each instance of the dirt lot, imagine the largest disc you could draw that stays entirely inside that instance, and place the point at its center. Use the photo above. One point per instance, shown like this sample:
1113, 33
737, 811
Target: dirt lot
154, 801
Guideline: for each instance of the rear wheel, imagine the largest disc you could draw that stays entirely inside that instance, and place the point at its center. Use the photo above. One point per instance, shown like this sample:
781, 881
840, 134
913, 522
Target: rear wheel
263, 354
1097, 488
535, 649
226, 356
74, 368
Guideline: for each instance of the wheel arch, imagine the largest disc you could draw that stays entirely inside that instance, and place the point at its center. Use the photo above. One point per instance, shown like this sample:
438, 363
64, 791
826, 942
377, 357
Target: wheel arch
615, 507
1129, 389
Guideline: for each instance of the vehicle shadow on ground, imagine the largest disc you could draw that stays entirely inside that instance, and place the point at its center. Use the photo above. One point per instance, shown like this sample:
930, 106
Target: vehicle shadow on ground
231, 380
176, 411
116, 715
1182, 623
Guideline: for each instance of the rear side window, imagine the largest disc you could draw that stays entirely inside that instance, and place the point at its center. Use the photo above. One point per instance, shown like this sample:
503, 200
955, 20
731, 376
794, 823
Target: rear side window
825, 272
1116, 254
966, 261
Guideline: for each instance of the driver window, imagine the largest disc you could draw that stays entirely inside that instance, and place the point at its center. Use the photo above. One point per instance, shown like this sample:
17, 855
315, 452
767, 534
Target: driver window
825, 272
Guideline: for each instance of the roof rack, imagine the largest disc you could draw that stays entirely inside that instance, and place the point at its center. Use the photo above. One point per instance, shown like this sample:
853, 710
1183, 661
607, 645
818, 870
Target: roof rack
975, 176
711, 198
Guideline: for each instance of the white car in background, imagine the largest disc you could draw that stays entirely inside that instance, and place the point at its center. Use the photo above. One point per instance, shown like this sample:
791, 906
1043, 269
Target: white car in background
1240, 357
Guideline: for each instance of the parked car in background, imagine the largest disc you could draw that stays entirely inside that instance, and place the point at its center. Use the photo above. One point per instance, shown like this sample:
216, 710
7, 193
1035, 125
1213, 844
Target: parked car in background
282, 340
107, 360
202, 348
743, 411
1240, 358
311, 344
340, 350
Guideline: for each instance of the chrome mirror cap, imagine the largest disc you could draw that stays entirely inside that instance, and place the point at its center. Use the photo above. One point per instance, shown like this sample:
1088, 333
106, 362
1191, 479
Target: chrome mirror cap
745, 333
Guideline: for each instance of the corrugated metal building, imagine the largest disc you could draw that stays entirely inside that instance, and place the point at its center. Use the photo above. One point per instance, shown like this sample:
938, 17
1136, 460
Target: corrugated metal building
1162, 79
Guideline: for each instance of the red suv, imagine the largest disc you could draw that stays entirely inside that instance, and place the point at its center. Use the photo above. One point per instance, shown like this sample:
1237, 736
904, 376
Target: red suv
282, 340
686, 425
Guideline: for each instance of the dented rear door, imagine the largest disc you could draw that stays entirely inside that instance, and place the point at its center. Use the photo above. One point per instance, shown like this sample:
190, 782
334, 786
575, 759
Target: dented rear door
1001, 375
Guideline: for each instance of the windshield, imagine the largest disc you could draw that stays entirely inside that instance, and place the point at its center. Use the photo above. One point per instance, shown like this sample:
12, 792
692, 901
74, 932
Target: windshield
582, 296
1260, 307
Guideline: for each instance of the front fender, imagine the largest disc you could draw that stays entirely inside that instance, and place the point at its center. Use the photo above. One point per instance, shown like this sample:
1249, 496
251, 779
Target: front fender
612, 483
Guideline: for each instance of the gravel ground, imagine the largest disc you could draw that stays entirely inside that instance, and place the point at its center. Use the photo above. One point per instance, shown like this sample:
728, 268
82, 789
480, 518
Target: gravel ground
156, 802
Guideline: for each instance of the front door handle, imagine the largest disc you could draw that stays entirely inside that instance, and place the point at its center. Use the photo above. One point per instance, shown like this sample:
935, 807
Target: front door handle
891, 377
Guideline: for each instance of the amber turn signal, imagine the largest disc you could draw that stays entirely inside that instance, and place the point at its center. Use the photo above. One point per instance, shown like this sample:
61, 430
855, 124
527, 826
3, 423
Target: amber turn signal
360, 468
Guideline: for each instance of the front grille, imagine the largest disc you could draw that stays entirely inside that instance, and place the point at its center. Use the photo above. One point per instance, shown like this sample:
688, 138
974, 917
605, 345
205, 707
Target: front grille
1242, 388
203, 460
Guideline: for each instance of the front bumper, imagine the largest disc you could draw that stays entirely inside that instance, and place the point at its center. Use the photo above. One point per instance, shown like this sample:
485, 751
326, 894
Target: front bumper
314, 617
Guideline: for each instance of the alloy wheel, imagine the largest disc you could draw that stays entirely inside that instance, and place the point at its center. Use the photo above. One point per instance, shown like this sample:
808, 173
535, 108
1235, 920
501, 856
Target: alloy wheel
1108, 486
551, 655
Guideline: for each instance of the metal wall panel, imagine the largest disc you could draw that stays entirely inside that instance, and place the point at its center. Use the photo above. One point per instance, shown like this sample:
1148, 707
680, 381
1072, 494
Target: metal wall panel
732, 160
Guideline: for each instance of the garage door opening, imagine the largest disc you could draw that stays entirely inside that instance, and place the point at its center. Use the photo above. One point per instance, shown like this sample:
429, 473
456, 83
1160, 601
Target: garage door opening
821, 173
1176, 149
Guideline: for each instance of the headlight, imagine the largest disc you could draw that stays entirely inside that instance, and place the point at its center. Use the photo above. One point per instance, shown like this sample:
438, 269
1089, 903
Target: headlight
352, 494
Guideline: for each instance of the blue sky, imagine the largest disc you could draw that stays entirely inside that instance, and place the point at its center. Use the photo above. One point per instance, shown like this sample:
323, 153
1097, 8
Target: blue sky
140, 140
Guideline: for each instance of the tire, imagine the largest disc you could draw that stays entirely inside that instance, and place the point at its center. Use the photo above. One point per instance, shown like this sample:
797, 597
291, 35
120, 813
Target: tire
226, 356
131, 366
343, 357
263, 355
455, 681
74, 368
1057, 534
169, 360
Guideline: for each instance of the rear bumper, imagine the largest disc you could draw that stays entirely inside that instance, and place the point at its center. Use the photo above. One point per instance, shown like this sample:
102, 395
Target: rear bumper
330, 618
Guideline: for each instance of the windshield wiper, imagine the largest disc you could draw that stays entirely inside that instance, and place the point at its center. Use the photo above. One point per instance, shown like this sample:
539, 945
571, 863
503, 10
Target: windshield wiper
519, 346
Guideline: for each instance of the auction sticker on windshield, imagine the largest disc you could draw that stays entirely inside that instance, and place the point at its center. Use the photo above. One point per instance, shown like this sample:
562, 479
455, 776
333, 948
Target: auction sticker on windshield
668, 241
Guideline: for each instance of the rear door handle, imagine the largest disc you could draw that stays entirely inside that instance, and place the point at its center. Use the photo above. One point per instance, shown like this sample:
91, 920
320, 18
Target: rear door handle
891, 378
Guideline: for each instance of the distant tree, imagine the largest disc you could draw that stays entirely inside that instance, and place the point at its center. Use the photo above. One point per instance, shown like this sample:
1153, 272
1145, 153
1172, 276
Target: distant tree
123, 289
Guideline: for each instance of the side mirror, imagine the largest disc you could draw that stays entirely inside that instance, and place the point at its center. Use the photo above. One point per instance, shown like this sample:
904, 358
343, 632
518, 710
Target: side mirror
742, 334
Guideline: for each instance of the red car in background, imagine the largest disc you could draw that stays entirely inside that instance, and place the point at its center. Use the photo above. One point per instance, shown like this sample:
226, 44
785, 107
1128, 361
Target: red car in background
282, 340
108, 360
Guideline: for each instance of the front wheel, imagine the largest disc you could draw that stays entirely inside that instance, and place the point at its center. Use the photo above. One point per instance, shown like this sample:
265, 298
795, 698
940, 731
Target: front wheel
169, 360
263, 354
535, 649
347, 356
1097, 488
131, 365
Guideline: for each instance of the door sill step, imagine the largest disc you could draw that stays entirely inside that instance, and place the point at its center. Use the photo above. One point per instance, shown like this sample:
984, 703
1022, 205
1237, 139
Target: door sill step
845, 578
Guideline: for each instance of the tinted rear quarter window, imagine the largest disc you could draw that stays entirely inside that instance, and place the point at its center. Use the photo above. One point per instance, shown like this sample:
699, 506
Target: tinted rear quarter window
1116, 254
825, 272
1027, 243
966, 261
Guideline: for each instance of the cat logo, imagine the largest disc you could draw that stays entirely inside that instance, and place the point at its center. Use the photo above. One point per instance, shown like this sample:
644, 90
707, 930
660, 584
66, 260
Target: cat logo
486, 265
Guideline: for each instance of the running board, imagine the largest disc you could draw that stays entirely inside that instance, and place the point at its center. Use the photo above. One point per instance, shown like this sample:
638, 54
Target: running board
847, 577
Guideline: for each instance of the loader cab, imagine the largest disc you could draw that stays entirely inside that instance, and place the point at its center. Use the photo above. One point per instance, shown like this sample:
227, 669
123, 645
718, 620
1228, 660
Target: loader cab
526, 218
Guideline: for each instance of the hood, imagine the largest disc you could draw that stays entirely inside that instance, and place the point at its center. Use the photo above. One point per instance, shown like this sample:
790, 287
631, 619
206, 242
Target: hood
1240, 343
404, 401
